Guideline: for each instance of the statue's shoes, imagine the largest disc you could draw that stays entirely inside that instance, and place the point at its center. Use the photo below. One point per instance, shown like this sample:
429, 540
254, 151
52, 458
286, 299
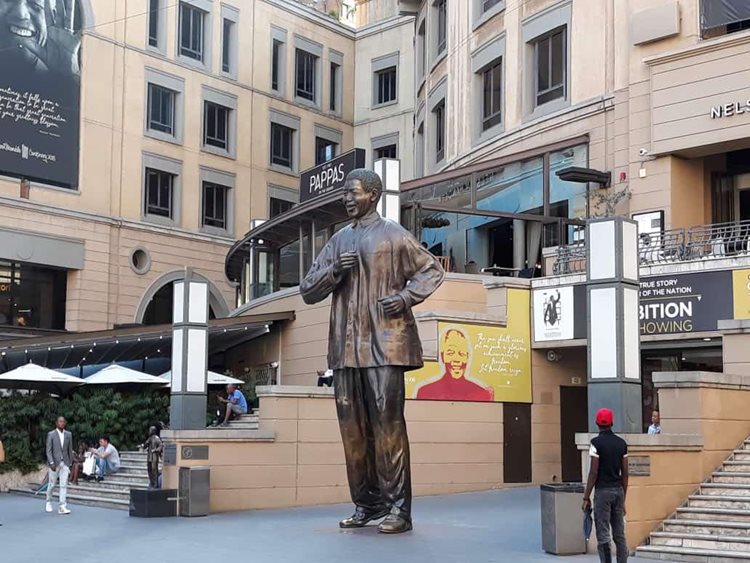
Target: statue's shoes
360, 518
395, 524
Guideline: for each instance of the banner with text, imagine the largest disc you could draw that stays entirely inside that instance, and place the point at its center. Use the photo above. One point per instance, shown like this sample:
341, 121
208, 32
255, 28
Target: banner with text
40, 41
329, 176
479, 362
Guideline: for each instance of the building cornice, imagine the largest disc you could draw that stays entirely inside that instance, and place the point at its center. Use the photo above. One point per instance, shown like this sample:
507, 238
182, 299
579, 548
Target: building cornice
383, 26
314, 16
46, 209
700, 48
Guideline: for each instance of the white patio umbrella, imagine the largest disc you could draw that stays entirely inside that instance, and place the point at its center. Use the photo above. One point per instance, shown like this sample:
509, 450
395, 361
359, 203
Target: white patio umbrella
32, 376
119, 375
213, 378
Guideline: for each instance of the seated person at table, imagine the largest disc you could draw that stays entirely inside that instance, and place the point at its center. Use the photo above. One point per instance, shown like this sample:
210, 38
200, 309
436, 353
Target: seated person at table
235, 402
107, 458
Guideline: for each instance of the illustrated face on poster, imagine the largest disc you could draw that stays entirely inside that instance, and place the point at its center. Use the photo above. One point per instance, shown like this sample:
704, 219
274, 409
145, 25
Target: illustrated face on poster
553, 314
40, 42
478, 362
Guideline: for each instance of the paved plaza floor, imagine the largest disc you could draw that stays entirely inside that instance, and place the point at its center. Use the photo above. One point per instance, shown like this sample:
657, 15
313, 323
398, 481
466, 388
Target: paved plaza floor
478, 527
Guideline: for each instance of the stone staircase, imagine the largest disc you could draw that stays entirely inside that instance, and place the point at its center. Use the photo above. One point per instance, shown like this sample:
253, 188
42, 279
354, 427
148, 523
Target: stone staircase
248, 421
714, 525
113, 492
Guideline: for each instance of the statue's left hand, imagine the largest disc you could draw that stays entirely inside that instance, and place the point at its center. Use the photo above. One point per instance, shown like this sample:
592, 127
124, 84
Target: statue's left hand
393, 305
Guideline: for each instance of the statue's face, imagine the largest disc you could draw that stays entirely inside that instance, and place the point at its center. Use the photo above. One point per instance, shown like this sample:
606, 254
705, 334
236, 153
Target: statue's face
357, 201
23, 27
455, 354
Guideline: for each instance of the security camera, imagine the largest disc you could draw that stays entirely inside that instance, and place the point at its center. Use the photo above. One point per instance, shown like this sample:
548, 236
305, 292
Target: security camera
554, 356
643, 152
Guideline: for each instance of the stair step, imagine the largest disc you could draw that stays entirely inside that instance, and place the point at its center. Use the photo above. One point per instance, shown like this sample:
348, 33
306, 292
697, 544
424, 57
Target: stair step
715, 527
705, 513
703, 555
736, 466
82, 499
731, 477
112, 484
721, 489
701, 541
714, 501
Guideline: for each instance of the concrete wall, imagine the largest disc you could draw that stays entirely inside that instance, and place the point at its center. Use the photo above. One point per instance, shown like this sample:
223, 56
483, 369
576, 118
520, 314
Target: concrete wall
455, 447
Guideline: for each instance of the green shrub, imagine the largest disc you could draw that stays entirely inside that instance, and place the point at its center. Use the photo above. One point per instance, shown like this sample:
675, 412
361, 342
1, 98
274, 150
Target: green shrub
26, 419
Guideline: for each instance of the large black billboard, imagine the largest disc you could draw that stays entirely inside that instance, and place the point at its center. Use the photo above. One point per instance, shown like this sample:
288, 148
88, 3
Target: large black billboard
329, 176
40, 43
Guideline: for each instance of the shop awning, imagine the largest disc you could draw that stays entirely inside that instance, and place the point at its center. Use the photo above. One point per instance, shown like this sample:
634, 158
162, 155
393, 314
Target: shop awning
283, 229
70, 350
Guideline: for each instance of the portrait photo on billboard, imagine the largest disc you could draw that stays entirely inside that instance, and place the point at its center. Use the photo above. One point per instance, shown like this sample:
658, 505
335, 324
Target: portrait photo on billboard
479, 363
40, 76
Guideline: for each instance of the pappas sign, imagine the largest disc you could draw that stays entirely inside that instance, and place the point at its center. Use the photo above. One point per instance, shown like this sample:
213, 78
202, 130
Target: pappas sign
329, 176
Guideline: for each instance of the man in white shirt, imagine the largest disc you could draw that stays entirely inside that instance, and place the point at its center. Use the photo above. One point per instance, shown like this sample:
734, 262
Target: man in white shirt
59, 461
107, 458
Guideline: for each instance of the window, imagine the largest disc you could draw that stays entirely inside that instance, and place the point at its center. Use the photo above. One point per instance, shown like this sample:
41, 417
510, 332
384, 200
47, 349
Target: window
442, 21
281, 145
214, 205
32, 296
192, 22
439, 112
492, 96
335, 69
276, 64
722, 17
161, 109
388, 151
325, 150
153, 23
226, 46
216, 126
487, 4
550, 64
305, 72
386, 86
159, 193
163, 106
278, 206
419, 150
421, 51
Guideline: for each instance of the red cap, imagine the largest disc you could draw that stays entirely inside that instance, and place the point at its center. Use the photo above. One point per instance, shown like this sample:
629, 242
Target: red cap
604, 417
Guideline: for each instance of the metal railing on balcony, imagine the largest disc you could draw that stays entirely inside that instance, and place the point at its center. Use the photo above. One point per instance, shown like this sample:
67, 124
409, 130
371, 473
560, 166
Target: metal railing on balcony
720, 240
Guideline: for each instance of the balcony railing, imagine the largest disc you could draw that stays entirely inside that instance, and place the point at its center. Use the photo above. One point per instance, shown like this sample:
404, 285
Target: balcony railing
720, 240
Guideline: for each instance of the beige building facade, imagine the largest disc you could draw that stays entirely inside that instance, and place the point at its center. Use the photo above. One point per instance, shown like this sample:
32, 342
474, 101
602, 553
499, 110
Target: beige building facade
196, 119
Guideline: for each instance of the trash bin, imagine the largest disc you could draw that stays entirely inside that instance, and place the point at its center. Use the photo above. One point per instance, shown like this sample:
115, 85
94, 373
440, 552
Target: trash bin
562, 531
194, 487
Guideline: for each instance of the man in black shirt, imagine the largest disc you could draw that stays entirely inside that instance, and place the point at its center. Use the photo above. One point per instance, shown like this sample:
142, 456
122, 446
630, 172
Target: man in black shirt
609, 473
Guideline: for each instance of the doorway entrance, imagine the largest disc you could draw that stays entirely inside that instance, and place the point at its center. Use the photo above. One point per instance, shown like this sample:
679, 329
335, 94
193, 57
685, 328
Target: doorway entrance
573, 418
516, 443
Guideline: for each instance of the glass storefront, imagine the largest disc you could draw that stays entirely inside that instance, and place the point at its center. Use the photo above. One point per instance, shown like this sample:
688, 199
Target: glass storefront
502, 216
32, 296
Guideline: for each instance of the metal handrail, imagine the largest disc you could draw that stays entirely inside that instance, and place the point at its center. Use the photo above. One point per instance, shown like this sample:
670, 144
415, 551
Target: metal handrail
718, 240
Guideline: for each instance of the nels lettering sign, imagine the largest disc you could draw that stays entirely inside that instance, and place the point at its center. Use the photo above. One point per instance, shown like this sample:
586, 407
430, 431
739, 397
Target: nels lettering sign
329, 176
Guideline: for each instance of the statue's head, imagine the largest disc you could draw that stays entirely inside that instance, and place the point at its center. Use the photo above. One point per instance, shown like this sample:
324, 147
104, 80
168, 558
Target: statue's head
151, 430
361, 192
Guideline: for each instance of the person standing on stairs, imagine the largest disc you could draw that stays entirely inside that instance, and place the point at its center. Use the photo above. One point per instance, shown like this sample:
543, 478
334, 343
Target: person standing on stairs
609, 474
59, 461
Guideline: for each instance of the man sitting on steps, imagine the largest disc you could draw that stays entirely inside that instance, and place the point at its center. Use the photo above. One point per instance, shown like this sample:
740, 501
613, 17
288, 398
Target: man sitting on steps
236, 404
107, 458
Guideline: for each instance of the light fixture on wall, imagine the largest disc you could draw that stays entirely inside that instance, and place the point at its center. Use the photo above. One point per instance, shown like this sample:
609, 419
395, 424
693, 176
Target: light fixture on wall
585, 175
554, 356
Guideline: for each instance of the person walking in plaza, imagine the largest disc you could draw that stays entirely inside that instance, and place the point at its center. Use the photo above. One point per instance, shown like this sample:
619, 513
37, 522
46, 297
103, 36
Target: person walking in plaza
608, 473
59, 461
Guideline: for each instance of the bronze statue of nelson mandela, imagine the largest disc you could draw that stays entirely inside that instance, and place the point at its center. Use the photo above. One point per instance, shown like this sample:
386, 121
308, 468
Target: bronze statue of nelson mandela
376, 271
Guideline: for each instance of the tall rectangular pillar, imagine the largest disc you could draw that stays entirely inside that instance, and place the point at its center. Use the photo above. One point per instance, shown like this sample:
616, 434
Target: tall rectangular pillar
389, 170
614, 361
189, 354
